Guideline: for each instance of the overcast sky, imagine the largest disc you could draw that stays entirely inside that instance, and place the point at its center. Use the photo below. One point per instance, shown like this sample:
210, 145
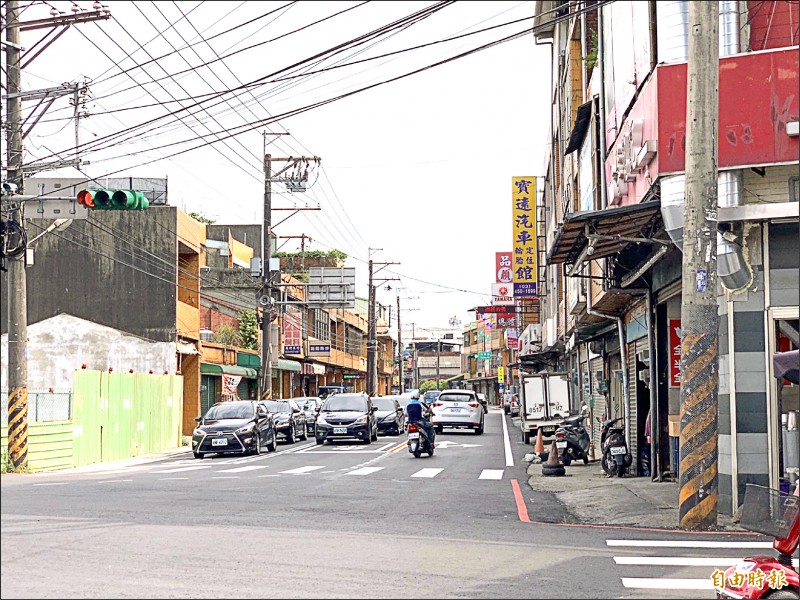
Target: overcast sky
418, 170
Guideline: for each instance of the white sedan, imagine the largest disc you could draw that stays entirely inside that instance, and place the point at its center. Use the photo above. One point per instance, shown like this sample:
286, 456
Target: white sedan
458, 409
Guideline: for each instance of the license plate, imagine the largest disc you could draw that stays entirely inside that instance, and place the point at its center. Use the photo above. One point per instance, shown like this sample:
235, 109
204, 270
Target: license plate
340, 430
561, 445
455, 410
219, 442
615, 450
413, 436
546, 431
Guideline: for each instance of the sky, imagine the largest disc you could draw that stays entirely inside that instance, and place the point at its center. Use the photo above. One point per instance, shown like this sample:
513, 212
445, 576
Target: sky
415, 170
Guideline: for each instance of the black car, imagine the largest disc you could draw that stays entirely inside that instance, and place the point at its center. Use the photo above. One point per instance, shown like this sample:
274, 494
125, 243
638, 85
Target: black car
290, 420
309, 405
389, 414
240, 427
349, 415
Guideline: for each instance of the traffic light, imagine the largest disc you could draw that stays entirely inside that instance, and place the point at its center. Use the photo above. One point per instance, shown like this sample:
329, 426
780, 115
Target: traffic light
113, 199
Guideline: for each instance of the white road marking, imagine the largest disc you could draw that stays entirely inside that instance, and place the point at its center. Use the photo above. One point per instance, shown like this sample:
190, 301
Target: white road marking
654, 583
173, 478
268, 476
365, 470
301, 470
677, 561
243, 469
182, 469
116, 481
491, 474
687, 544
382, 448
428, 473
54, 483
507, 443
342, 452
226, 477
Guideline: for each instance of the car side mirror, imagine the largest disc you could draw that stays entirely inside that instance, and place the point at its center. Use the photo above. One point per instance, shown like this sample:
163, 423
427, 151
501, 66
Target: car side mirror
374, 409
198, 419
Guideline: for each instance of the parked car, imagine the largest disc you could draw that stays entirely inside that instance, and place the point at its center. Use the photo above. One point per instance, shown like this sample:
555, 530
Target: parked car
290, 420
511, 403
458, 409
389, 414
349, 415
484, 402
310, 405
240, 427
403, 402
430, 396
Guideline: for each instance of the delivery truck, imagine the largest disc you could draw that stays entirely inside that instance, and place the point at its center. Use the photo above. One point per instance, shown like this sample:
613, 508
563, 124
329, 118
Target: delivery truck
544, 402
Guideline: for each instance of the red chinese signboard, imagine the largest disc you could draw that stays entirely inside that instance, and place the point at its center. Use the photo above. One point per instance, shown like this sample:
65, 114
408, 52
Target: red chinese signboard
675, 353
503, 267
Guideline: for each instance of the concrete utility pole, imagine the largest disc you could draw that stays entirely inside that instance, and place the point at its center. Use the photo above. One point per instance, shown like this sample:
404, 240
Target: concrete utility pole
399, 348
699, 319
265, 294
17, 288
372, 335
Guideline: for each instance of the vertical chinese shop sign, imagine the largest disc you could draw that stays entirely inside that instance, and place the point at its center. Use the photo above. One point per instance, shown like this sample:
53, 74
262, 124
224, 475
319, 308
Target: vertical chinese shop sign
675, 353
523, 195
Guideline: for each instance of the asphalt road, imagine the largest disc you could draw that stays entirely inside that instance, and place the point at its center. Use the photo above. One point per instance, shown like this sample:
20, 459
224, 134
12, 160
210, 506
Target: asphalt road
332, 521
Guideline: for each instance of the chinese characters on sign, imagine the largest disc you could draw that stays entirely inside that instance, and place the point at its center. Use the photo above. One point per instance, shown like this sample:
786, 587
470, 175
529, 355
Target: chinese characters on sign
503, 267
292, 341
525, 272
776, 579
230, 383
675, 353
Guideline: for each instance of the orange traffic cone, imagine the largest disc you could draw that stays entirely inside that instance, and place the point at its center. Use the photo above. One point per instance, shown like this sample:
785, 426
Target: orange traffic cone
553, 466
539, 447
552, 458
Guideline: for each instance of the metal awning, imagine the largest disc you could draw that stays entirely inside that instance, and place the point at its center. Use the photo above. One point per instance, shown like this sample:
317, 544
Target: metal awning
288, 365
214, 369
600, 233
581, 126
186, 347
312, 369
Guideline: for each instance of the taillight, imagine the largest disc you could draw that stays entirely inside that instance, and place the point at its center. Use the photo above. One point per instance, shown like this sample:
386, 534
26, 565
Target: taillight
560, 436
435, 404
412, 428
473, 404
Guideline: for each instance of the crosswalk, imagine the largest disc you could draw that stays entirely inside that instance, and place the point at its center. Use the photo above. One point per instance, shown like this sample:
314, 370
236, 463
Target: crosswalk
680, 565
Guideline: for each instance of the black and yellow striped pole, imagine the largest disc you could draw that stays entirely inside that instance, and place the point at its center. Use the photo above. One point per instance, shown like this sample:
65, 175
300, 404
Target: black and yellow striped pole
699, 318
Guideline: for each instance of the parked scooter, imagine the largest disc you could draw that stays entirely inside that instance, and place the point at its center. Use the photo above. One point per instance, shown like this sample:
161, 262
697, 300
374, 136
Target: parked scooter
616, 458
418, 441
772, 513
572, 439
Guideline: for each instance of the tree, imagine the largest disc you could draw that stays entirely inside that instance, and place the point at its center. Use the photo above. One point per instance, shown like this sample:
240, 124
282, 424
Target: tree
202, 218
248, 329
228, 335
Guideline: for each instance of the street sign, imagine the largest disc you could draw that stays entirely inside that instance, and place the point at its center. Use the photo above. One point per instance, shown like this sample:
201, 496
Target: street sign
484, 355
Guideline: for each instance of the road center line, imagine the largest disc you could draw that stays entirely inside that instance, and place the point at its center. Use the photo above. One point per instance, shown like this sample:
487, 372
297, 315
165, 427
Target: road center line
507, 443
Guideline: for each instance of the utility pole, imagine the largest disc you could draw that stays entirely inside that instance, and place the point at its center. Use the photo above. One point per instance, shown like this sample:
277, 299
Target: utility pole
399, 348
438, 354
372, 335
295, 182
17, 288
699, 319
13, 212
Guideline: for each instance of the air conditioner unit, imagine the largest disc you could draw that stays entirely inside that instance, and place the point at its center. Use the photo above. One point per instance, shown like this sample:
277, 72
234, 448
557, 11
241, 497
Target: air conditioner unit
206, 335
643, 356
644, 377
595, 346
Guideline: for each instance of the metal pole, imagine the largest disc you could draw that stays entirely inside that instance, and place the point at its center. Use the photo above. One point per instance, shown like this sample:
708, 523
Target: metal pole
399, 348
266, 278
370, 334
438, 353
17, 285
699, 319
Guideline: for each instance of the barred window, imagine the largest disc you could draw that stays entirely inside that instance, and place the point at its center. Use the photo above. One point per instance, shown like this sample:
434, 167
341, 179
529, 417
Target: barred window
321, 329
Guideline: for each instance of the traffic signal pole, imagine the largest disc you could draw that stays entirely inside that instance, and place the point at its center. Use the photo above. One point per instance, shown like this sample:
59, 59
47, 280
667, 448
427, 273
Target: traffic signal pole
699, 429
17, 288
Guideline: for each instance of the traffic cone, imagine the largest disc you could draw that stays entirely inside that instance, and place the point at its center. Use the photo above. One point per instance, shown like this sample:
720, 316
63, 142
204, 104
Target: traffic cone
539, 447
553, 458
553, 466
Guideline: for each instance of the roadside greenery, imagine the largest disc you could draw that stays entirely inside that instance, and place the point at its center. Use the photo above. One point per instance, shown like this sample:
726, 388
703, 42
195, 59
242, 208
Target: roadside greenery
248, 329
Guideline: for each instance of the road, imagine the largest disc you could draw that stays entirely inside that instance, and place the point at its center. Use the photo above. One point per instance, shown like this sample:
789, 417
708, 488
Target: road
332, 521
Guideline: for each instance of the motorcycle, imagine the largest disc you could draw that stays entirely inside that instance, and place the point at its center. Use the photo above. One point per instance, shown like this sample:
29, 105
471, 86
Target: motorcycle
616, 458
772, 513
418, 441
572, 440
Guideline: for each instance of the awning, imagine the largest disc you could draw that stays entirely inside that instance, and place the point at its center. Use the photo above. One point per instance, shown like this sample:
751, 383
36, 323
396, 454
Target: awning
312, 369
214, 369
606, 232
183, 347
458, 377
288, 365
582, 119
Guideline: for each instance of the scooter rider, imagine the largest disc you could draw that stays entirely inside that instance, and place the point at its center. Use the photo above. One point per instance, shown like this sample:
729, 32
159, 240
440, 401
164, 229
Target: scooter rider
418, 412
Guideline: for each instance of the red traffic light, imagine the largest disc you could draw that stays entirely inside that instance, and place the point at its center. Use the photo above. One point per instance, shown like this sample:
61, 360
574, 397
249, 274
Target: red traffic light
86, 198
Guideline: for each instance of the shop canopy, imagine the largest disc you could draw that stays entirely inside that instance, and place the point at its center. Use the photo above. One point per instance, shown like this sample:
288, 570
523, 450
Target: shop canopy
214, 369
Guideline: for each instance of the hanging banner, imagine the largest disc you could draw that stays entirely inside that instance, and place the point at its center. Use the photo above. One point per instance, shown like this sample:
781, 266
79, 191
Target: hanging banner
229, 385
523, 203
502, 267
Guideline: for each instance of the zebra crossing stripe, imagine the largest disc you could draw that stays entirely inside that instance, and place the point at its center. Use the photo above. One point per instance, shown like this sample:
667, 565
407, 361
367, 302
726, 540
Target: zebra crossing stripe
182, 469
427, 473
678, 561
687, 544
491, 474
243, 469
301, 470
655, 583
365, 471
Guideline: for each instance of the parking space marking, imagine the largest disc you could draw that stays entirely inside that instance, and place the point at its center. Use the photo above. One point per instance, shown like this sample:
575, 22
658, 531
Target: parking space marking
427, 473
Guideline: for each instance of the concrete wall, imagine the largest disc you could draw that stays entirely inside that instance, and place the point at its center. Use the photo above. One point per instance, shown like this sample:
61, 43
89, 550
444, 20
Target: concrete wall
58, 346
246, 234
132, 253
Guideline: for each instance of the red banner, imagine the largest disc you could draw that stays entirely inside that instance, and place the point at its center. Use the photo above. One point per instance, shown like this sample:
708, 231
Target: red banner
503, 267
675, 353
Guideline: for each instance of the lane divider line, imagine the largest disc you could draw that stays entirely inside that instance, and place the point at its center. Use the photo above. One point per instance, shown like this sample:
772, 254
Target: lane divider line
507, 443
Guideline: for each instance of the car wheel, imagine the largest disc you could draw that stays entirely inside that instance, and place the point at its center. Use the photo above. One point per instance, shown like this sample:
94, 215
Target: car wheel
374, 437
199, 455
305, 434
290, 437
438, 428
479, 430
272, 446
526, 437
506, 410
257, 444
320, 441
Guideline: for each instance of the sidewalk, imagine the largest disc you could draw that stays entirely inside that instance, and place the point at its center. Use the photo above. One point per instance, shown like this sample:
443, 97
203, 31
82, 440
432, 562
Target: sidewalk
590, 497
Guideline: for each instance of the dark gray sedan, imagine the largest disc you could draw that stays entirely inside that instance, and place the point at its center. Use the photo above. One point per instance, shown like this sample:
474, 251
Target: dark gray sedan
389, 414
239, 427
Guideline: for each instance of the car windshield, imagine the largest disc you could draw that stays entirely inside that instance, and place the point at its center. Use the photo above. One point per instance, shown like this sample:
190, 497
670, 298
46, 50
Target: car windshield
451, 397
230, 410
403, 400
384, 403
276, 406
341, 402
